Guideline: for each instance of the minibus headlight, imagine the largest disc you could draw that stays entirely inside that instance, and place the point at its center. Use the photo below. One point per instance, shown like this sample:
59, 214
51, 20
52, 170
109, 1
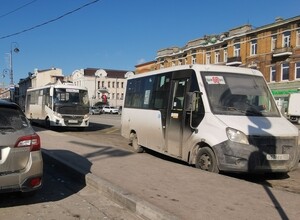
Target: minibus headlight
86, 116
57, 114
236, 136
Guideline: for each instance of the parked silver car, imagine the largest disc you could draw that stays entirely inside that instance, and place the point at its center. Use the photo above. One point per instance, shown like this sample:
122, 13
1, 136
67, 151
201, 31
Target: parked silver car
94, 110
21, 163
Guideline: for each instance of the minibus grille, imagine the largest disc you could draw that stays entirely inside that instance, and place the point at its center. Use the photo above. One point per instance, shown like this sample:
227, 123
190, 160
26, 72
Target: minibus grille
74, 110
273, 145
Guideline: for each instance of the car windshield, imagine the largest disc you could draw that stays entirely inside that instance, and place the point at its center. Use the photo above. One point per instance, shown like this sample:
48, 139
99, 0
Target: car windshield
239, 94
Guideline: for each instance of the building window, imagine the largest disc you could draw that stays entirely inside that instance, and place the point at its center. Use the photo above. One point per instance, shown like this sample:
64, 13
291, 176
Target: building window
113, 84
297, 70
173, 63
273, 43
237, 50
102, 85
253, 47
207, 58
108, 85
285, 71
122, 85
194, 59
298, 38
225, 55
217, 57
286, 40
272, 73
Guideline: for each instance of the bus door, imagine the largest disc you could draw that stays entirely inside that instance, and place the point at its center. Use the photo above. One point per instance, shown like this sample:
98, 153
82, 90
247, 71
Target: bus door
176, 116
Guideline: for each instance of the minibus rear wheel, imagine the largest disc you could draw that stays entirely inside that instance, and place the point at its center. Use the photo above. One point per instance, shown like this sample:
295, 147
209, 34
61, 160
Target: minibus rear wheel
134, 141
206, 160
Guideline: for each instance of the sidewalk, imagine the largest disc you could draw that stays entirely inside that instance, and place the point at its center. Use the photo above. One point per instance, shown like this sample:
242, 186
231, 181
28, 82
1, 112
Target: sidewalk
160, 189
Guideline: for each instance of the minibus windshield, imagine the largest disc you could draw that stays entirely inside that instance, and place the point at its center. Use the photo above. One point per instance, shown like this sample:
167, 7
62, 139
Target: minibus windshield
238, 94
71, 96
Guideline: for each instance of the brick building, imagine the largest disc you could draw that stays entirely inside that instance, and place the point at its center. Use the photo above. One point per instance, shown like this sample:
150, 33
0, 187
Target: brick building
274, 49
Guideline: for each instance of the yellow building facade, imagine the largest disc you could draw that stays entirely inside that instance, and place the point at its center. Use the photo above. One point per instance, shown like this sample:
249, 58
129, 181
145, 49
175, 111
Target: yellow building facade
274, 49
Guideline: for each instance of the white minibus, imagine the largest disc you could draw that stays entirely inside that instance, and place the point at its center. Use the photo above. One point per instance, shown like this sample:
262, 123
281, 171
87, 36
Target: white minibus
58, 105
217, 118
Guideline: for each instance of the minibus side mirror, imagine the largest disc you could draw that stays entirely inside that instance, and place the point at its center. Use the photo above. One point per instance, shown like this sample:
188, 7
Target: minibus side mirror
51, 91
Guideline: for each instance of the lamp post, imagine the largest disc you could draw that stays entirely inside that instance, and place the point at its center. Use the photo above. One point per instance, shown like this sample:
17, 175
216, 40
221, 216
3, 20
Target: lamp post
14, 47
5, 72
116, 92
96, 76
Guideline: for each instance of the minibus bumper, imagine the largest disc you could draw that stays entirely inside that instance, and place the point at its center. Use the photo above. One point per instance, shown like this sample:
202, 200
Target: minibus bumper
235, 157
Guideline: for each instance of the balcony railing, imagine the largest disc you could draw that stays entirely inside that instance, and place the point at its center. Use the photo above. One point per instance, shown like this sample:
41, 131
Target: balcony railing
284, 51
234, 61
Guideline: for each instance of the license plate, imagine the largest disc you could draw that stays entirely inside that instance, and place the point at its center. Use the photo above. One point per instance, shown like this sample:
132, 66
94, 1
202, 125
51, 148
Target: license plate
73, 121
278, 156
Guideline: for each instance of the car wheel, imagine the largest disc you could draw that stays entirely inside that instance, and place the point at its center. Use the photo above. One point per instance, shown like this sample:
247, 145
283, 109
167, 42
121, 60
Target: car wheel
134, 141
206, 160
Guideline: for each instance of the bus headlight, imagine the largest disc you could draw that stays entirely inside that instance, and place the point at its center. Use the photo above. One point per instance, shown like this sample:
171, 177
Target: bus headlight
236, 136
86, 116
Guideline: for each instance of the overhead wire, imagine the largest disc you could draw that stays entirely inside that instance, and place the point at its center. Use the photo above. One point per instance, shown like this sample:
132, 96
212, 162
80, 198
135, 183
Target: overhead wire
17, 9
50, 21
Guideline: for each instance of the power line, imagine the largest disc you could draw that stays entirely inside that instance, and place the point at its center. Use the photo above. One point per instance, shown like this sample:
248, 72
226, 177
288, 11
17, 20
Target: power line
50, 21
17, 9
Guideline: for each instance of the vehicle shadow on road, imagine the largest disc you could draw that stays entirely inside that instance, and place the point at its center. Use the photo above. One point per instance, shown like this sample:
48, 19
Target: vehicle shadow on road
100, 152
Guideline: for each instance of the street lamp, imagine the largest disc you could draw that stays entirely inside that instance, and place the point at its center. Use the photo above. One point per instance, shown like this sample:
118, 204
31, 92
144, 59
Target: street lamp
14, 47
5, 72
96, 76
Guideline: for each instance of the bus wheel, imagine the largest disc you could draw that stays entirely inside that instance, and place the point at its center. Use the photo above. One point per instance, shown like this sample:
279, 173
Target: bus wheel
206, 160
136, 147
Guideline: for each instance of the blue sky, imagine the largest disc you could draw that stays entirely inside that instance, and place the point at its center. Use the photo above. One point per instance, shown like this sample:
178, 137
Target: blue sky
117, 34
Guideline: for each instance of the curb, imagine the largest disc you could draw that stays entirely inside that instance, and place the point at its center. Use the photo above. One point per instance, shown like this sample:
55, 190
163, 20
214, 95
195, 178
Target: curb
136, 205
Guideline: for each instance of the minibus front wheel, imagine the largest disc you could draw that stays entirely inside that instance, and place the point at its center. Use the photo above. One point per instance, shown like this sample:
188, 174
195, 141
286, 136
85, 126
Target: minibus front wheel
206, 160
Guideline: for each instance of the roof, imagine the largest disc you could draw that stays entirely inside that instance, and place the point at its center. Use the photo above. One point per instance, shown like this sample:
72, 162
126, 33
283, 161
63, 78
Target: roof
110, 72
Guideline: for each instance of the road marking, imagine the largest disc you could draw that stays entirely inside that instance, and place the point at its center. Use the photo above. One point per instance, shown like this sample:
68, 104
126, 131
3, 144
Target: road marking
112, 131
